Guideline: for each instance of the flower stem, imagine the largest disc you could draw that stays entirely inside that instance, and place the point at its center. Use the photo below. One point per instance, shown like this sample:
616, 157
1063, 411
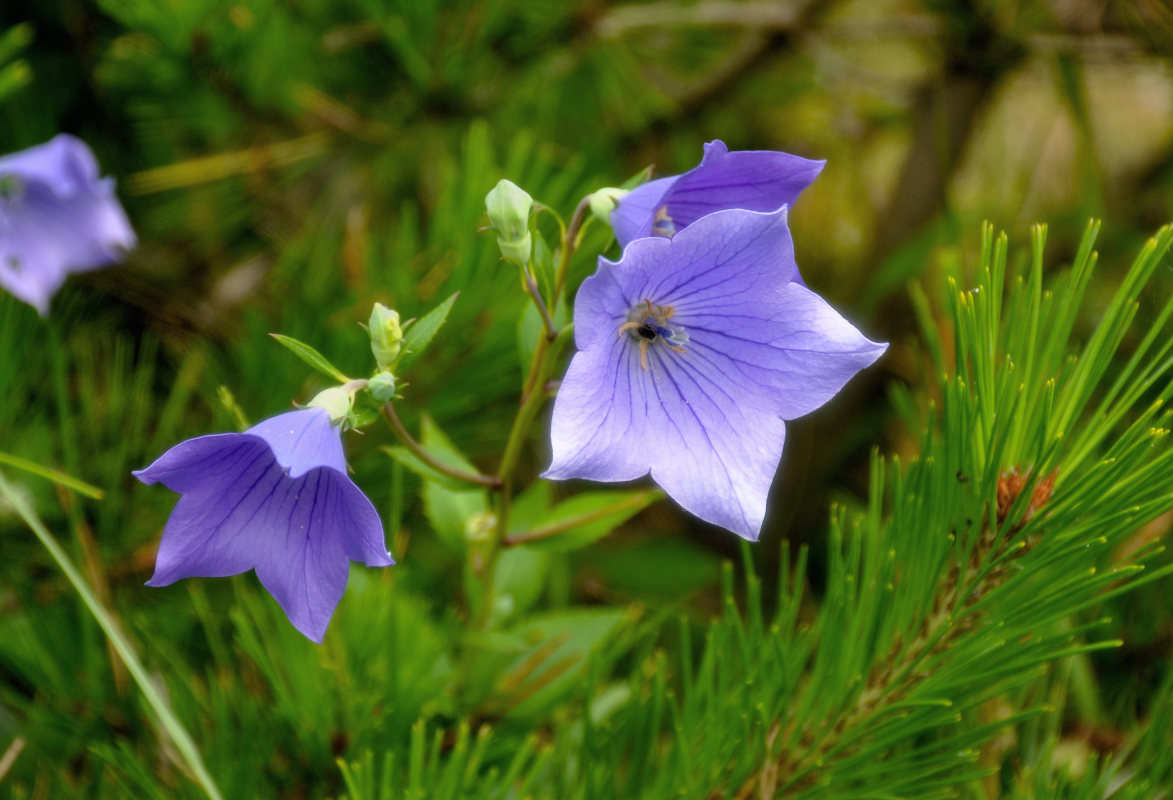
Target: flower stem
570, 242
173, 727
532, 400
423, 455
536, 294
533, 397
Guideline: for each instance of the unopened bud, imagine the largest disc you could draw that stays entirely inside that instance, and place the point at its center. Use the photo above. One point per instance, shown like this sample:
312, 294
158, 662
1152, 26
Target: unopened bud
386, 335
509, 207
382, 387
335, 400
604, 201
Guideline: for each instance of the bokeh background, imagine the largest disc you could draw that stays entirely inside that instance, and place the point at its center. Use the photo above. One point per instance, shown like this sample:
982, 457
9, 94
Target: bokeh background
286, 163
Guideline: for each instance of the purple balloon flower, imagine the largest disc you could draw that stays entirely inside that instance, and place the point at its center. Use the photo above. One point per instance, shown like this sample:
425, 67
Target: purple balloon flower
691, 353
756, 180
276, 499
57, 216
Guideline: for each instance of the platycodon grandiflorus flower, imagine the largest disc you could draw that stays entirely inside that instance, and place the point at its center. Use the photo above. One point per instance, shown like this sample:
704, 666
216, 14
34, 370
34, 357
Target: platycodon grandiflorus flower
692, 352
276, 499
57, 216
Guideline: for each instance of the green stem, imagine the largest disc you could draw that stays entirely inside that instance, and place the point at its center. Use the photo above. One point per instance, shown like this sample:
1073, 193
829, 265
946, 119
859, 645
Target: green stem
570, 242
174, 728
423, 455
533, 396
531, 404
535, 293
57, 476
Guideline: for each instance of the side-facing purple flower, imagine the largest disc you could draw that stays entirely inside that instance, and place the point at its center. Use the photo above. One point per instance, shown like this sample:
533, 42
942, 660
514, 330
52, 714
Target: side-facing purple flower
691, 353
57, 216
755, 180
276, 499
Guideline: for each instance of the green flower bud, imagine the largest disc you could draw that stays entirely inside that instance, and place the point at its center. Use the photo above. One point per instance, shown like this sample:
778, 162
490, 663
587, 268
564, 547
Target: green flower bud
509, 207
604, 201
518, 251
382, 387
386, 335
335, 400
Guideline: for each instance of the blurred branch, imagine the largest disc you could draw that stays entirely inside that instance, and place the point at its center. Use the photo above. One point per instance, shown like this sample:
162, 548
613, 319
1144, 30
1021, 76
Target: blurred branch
10, 756
209, 169
759, 15
767, 30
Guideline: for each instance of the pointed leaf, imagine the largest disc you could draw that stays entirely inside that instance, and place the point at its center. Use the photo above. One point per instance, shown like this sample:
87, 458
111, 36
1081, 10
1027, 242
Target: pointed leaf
311, 356
417, 337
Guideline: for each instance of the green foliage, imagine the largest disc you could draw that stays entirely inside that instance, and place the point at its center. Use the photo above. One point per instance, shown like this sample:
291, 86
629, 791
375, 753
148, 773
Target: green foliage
287, 164
310, 356
419, 334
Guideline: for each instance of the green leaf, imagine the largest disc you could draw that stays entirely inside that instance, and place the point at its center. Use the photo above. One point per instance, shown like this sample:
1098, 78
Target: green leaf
656, 570
311, 356
585, 518
520, 575
530, 506
566, 639
417, 337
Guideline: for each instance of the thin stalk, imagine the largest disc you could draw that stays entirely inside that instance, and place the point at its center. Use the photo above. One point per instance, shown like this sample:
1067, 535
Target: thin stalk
173, 727
530, 405
533, 398
536, 294
476, 478
56, 476
570, 242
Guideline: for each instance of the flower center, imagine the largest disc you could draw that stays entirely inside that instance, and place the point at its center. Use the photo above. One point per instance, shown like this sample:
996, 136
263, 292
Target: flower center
662, 224
647, 323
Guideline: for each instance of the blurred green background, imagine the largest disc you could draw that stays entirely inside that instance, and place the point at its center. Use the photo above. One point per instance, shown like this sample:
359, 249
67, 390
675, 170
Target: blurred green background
286, 163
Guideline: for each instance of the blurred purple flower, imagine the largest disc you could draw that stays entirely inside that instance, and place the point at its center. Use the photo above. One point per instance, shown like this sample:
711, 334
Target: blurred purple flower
755, 180
691, 353
276, 499
57, 216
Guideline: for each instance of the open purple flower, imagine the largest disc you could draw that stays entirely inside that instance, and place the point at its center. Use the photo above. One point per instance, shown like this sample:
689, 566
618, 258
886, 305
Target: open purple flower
57, 216
755, 180
276, 499
691, 353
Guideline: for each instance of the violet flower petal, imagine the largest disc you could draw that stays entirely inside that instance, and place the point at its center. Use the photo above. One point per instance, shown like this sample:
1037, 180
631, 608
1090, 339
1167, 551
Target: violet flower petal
755, 180
275, 499
57, 216
706, 416
302, 440
637, 207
